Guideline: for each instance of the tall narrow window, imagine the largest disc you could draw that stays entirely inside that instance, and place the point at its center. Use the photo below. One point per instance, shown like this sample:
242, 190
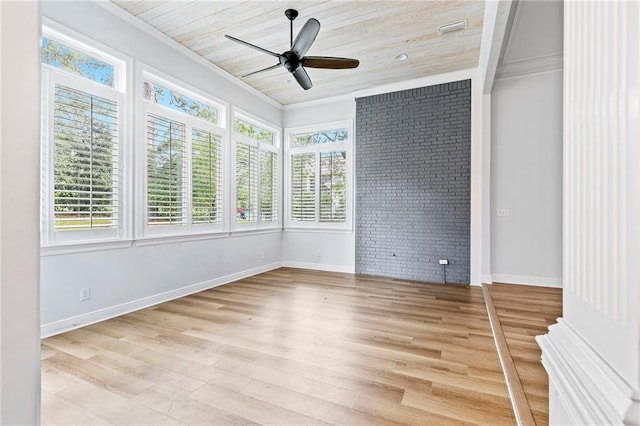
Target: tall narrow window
303, 187
82, 181
184, 161
246, 183
85, 161
318, 169
166, 177
206, 176
257, 174
333, 182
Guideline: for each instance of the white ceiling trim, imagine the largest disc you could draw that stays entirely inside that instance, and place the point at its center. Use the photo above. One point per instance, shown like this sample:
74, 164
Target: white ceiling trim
431, 80
331, 99
141, 25
530, 66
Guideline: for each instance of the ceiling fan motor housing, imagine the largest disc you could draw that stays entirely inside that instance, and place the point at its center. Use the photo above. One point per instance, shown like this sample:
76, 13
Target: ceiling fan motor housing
290, 61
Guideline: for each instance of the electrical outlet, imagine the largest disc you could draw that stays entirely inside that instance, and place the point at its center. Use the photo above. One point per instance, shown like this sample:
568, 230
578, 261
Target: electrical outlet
319, 253
261, 255
85, 294
504, 212
444, 262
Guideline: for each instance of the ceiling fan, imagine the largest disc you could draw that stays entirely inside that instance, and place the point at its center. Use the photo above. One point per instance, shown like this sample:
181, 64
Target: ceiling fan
294, 60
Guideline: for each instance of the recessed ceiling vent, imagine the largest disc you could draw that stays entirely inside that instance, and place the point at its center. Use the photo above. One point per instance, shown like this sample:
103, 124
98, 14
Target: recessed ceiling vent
456, 26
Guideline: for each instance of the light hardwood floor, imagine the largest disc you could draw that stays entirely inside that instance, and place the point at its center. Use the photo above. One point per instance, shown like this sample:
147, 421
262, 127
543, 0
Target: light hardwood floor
525, 312
285, 347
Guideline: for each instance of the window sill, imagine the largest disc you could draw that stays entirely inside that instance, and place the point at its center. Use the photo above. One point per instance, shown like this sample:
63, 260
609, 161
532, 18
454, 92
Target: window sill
70, 248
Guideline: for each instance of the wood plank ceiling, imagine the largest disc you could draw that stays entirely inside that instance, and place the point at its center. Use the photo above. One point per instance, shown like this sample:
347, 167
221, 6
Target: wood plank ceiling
374, 32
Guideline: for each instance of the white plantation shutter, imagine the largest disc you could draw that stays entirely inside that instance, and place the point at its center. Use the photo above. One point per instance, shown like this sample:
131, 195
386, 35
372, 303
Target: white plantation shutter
303, 187
85, 161
206, 177
333, 180
246, 183
166, 171
268, 186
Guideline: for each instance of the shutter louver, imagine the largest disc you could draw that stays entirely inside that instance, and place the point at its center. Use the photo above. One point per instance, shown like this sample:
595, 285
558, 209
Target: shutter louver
206, 177
86, 177
333, 195
246, 183
303, 187
166, 174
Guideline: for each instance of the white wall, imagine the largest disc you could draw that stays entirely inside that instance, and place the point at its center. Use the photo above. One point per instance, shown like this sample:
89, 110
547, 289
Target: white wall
526, 179
129, 278
19, 195
324, 250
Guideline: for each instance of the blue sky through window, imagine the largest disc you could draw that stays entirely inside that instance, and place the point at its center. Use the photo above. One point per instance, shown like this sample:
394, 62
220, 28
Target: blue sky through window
75, 62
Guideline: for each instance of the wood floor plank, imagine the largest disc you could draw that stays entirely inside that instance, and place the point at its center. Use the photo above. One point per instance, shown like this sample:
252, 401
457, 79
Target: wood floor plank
525, 312
289, 347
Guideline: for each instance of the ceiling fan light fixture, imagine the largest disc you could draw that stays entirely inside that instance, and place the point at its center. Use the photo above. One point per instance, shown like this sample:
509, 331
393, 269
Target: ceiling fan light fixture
455, 26
402, 57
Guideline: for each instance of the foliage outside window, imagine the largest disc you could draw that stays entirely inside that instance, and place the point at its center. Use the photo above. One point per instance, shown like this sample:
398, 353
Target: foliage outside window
184, 162
81, 145
318, 170
257, 174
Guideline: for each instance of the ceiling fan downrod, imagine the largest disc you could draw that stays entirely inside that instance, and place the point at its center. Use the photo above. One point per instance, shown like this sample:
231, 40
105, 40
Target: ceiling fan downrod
291, 14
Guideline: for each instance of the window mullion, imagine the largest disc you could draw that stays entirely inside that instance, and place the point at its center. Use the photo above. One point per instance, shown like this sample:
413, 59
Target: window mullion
318, 187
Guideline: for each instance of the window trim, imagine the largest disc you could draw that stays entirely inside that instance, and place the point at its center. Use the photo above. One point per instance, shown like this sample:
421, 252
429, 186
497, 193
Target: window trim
119, 93
276, 148
289, 151
143, 108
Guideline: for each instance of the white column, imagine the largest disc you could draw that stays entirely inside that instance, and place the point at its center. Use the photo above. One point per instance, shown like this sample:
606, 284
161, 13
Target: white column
19, 211
593, 354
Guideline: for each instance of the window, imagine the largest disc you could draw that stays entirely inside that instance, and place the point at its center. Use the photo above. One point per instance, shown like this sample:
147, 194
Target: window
184, 188
82, 142
257, 174
319, 176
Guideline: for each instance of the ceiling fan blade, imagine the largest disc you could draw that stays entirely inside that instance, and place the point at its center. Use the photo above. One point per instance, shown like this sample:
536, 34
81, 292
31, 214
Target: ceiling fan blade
237, 40
305, 37
272, 67
302, 78
329, 62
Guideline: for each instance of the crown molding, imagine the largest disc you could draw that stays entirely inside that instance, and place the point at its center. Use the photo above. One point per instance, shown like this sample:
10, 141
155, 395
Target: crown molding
530, 66
315, 102
431, 80
143, 26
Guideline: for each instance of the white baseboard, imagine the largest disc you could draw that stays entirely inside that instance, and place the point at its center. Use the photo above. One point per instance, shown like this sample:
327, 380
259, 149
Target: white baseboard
583, 388
527, 280
319, 266
486, 279
57, 327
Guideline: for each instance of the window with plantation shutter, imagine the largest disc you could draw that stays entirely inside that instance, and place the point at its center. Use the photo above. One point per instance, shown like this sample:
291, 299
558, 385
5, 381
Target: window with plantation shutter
206, 177
85, 161
268, 186
166, 171
184, 161
246, 183
333, 182
303, 187
257, 175
82, 144
319, 177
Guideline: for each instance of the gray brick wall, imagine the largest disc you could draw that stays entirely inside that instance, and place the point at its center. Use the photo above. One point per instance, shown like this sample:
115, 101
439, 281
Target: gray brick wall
413, 161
